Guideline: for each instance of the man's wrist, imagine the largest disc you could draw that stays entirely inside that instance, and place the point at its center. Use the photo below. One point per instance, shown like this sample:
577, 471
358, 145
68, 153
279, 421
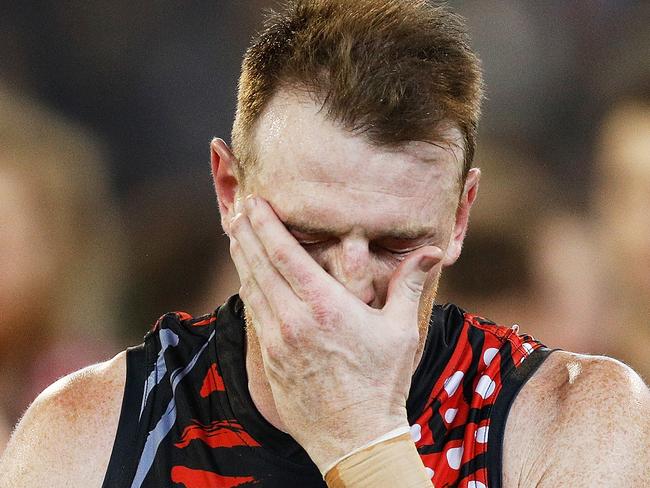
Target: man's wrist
386, 437
393, 462
336, 444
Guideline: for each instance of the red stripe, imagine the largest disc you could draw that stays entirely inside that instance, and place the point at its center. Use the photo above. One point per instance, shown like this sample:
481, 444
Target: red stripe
204, 321
183, 316
198, 478
222, 433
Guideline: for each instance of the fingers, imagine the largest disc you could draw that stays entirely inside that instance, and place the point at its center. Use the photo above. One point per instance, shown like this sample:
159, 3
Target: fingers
260, 270
305, 276
407, 284
250, 292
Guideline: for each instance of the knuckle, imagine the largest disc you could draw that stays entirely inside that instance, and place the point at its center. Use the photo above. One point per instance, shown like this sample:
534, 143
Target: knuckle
325, 316
289, 331
413, 289
279, 256
274, 352
256, 219
256, 262
321, 312
313, 294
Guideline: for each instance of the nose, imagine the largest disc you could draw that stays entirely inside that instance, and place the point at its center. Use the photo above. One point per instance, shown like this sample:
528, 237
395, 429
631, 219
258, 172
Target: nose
351, 265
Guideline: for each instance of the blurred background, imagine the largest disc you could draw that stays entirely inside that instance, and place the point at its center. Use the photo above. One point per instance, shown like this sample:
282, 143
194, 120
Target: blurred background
107, 213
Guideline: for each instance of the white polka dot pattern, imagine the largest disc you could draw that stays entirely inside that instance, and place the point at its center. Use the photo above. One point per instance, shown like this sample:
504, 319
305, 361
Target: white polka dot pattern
476, 484
454, 456
471, 383
450, 415
489, 354
452, 383
485, 386
416, 432
481, 434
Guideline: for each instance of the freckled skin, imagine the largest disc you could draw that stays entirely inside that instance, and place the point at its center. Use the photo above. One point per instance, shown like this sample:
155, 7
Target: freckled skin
580, 421
66, 436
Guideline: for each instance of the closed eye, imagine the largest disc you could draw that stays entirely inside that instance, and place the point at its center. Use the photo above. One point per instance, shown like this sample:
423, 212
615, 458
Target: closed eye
397, 252
309, 240
400, 247
310, 243
400, 251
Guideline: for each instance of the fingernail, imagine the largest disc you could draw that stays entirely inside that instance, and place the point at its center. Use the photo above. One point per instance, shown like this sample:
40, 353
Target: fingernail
427, 263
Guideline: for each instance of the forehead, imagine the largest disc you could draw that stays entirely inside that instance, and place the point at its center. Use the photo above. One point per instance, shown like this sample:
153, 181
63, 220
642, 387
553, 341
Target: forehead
306, 163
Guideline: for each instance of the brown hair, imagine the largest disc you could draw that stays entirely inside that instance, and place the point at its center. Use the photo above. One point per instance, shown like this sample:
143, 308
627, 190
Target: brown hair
394, 70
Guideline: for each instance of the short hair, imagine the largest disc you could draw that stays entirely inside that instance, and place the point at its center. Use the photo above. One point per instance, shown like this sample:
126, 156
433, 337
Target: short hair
394, 70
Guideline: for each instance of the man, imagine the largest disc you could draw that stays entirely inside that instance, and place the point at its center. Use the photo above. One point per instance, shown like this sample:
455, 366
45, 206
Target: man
347, 191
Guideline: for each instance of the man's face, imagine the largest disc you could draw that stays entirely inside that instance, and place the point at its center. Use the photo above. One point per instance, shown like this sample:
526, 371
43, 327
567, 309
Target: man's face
358, 209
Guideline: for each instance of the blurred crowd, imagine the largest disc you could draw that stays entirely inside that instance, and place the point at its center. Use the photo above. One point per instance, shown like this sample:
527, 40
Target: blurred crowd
107, 214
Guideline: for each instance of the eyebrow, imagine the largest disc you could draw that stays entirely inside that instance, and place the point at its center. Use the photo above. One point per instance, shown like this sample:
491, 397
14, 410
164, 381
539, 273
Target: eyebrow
397, 233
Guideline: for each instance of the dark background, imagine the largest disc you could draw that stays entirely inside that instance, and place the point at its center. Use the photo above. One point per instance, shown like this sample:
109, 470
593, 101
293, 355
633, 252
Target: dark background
149, 83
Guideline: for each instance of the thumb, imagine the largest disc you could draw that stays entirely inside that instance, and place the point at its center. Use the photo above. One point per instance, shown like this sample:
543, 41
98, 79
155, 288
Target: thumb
406, 285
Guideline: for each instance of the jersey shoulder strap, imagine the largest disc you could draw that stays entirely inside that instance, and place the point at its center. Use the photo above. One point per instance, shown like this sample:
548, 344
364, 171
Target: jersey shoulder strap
150, 368
124, 457
512, 385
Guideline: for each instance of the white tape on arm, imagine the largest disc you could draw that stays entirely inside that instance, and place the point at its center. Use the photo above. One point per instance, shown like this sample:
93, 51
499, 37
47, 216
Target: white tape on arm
389, 435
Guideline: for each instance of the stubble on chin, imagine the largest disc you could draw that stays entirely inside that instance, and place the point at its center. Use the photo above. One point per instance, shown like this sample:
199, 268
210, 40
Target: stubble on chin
253, 350
427, 301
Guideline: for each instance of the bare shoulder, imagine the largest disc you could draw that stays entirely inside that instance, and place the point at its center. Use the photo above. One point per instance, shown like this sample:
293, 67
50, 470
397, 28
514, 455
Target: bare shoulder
66, 436
579, 421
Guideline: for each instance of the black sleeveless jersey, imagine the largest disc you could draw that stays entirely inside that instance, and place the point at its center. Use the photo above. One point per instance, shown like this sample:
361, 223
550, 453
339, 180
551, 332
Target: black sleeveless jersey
188, 420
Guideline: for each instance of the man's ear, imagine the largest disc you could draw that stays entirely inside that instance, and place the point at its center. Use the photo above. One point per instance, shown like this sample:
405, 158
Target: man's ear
224, 177
470, 189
